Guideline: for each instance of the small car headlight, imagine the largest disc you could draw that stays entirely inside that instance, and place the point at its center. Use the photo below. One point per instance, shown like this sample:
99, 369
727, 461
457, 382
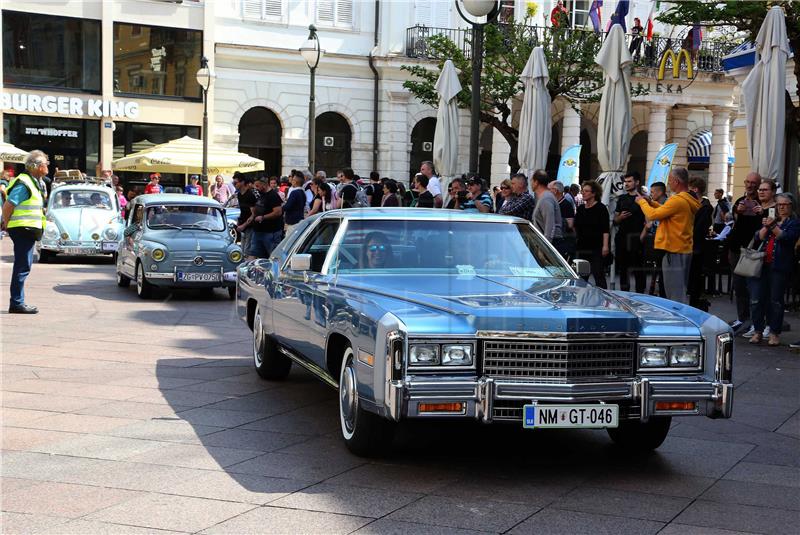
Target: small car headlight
158, 255
64, 236
51, 231
423, 355
235, 256
653, 356
457, 355
95, 236
688, 355
110, 234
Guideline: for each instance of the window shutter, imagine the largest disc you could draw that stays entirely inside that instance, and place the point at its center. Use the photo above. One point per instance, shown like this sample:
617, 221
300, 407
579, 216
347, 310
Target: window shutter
344, 13
273, 9
440, 17
325, 11
262, 9
422, 13
251, 9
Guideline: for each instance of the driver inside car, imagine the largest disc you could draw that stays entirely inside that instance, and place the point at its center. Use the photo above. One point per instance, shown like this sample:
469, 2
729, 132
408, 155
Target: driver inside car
377, 251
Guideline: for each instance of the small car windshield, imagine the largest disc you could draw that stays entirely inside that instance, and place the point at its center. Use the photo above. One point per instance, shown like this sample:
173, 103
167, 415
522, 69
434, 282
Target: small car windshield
185, 216
80, 198
463, 248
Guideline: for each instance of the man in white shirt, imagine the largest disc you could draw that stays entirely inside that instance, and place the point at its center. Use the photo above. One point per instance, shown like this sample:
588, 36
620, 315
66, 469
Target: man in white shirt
433, 183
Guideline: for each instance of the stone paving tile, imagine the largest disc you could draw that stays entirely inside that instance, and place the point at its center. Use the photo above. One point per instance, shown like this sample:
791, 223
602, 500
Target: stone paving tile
12, 484
46, 402
99, 447
219, 418
38, 386
684, 529
630, 504
104, 528
64, 499
384, 526
455, 513
80, 423
356, 501
739, 517
764, 473
667, 484
396, 477
286, 521
165, 430
783, 456
131, 476
556, 522
228, 387
24, 439
178, 513
151, 381
314, 469
183, 398
193, 456
23, 417
532, 491
252, 440
45, 467
134, 410
25, 524
317, 419
758, 494
791, 427
238, 487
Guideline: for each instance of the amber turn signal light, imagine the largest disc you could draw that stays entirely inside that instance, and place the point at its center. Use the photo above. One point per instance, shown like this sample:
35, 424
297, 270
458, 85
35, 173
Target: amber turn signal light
675, 405
441, 407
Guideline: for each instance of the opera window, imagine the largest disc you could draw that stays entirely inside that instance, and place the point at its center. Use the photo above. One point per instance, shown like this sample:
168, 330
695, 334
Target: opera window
156, 61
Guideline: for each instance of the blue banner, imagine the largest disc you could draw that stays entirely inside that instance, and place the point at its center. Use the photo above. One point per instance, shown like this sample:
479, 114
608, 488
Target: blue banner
570, 165
662, 164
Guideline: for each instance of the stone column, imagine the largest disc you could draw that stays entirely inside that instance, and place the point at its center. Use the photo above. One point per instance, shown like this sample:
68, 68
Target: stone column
680, 135
656, 133
570, 128
107, 87
720, 146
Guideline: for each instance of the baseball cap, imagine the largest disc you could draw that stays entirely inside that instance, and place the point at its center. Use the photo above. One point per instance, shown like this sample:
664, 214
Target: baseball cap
155, 175
475, 180
194, 177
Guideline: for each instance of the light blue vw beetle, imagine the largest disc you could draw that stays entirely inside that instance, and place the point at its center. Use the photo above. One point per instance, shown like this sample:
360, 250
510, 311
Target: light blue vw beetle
177, 241
82, 219
419, 313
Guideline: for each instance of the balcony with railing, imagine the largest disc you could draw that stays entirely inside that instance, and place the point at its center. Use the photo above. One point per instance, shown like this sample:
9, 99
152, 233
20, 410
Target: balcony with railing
648, 54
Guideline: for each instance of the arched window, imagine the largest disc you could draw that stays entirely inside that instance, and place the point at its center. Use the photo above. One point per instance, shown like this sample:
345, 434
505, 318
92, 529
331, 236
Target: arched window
421, 144
333, 143
260, 135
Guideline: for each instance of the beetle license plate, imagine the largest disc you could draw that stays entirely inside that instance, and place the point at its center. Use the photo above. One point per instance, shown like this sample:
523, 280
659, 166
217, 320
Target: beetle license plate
574, 416
109, 246
198, 277
79, 250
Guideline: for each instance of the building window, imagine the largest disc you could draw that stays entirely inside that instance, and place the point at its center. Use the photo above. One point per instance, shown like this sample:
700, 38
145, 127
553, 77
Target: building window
335, 13
432, 14
268, 10
51, 52
148, 60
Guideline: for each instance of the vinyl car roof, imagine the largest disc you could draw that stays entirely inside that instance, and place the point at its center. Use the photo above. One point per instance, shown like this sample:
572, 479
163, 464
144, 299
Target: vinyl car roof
421, 214
58, 188
177, 198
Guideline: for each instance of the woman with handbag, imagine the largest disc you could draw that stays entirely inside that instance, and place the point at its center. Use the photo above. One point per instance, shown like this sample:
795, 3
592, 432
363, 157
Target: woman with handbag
779, 233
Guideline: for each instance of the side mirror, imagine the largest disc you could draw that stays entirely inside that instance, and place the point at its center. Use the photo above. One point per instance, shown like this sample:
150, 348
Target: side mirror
300, 262
582, 267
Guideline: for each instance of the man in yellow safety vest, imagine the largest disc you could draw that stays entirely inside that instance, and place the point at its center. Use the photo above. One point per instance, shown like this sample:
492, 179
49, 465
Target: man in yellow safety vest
23, 218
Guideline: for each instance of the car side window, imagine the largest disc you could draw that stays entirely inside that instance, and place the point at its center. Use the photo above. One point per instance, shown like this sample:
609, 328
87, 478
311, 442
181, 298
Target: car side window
318, 244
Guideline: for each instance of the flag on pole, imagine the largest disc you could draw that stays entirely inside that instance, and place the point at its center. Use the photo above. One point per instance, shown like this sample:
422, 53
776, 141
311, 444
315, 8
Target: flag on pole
570, 165
620, 13
595, 15
662, 164
653, 8
697, 36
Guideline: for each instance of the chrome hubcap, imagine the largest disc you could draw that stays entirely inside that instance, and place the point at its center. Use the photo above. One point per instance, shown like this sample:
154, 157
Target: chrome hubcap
257, 334
348, 396
140, 280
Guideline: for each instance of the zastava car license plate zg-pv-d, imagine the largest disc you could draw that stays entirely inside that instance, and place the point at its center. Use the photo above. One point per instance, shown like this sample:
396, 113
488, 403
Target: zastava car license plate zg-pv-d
574, 416
198, 277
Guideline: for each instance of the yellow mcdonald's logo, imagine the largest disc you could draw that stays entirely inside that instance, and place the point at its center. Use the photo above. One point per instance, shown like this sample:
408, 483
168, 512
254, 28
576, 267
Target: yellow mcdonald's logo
676, 63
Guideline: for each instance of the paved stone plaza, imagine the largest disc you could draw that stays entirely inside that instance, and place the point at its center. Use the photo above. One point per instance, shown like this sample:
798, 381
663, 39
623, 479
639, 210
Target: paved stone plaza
128, 416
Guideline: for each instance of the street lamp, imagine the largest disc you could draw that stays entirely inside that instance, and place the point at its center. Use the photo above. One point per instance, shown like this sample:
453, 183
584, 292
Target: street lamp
312, 53
477, 9
205, 77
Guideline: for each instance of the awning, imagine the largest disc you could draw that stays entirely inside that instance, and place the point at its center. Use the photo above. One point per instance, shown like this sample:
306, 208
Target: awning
10, 153
743, 55
699, 150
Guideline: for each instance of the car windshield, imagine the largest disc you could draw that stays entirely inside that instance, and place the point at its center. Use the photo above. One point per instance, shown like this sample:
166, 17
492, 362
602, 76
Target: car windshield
80, 198
463, 248
185, 216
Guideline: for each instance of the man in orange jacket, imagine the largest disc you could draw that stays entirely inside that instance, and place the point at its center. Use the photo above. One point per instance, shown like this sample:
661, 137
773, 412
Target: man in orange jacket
675, 230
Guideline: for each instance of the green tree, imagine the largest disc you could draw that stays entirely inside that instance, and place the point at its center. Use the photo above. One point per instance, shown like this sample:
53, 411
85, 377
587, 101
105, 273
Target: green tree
570, 58
745, 17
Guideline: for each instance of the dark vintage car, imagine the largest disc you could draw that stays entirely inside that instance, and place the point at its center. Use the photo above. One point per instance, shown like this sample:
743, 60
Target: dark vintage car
416, 313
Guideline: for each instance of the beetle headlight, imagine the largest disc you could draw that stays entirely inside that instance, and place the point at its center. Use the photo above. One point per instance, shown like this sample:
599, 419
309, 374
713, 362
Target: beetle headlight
158, 255
64, 236
235, 256
457, 355
653, 356
685, 356
423, 355
110, 234
51, 231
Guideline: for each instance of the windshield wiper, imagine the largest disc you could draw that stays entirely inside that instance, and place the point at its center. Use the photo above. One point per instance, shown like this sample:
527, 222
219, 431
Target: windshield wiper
165, 225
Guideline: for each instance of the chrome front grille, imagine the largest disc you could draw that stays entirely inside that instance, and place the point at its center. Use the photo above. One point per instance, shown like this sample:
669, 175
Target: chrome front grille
510, 410
559, 361
186, 258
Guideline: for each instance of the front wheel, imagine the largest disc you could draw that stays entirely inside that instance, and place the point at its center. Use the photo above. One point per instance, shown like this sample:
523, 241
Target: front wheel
641, 437
122, 280
365, 434
143, 288
45, 256
269, 362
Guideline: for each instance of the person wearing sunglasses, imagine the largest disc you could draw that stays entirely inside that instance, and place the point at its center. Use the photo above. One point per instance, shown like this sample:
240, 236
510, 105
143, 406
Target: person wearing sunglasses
777, 237
377, 251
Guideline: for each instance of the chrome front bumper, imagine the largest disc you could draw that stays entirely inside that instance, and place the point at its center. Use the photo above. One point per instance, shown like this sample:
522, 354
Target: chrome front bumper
482, 396
80, 248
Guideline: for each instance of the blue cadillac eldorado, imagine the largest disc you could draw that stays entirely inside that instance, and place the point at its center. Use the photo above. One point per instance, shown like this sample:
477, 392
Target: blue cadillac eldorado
419, 313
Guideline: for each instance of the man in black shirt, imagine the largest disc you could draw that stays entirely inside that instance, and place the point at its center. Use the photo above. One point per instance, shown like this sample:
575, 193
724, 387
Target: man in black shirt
248, 196
425, 198
747, 218
567, 244
374, 190
267, 221
628, 243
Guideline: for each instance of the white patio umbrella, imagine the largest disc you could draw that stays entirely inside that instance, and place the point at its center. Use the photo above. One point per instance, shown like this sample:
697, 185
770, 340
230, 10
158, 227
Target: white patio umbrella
614, 123
10, 153
535, 130
445, 138
763, 92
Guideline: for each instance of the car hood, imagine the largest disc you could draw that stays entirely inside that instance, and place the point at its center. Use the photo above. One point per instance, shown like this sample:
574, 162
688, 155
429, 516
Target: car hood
190, 239
430, 304
82, 223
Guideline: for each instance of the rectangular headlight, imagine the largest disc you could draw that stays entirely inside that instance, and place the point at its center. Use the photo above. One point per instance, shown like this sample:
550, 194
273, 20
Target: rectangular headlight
423, 355
652, 356
457, 355
685, 356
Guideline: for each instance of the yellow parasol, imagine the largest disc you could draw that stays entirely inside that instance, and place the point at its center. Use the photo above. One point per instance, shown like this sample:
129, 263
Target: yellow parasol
185, 155
10, 153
